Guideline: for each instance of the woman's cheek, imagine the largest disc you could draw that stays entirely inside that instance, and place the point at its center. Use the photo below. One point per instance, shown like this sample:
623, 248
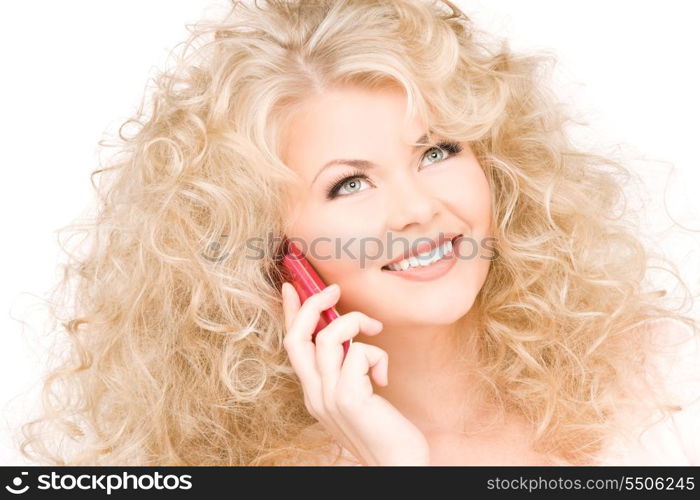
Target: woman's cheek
464, 190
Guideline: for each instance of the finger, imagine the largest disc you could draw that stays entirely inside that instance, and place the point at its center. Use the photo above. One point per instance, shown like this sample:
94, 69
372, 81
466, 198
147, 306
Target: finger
301, 352
354, 387
290, 304
354, 384
304, 323
300, 348
329, 349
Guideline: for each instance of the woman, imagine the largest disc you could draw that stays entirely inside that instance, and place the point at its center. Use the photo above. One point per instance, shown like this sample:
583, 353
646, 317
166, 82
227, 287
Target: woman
528, 336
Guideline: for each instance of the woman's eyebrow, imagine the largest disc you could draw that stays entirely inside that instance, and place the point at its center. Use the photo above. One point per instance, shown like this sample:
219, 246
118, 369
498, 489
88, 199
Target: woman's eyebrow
366, 164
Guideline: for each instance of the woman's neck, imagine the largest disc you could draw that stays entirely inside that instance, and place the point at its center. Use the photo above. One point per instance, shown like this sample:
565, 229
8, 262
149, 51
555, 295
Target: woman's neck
433, 377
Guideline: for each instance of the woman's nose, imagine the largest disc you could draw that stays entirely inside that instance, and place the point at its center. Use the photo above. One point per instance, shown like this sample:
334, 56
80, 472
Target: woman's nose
410, 202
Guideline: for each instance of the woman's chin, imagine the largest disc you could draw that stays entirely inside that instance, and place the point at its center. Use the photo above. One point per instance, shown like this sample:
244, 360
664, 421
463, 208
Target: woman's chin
435, 314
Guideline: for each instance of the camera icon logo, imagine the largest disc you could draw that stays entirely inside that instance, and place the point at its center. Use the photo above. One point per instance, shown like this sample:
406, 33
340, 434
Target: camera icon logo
17, 482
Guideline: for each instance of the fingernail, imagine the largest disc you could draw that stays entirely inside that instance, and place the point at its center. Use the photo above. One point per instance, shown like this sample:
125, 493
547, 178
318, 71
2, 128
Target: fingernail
332, 288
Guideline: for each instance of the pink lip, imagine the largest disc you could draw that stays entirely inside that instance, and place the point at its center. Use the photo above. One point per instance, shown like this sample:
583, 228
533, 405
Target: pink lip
424, 246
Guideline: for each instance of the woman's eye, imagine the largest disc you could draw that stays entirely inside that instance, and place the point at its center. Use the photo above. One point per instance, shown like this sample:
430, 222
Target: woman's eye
347, 186
353, 185
350, 184
432, 153
437, 153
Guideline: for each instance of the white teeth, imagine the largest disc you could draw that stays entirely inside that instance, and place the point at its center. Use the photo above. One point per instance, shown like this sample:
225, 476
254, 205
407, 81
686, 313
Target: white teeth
424, 259
428, 256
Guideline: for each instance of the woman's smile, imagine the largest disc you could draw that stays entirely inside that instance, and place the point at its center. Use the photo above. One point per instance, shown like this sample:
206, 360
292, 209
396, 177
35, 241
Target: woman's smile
427, 262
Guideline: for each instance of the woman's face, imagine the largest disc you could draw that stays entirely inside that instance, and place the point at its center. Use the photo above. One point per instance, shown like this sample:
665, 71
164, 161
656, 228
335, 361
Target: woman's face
350, 227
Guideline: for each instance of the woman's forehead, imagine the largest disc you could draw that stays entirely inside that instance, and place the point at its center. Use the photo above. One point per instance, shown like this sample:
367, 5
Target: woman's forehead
348, 124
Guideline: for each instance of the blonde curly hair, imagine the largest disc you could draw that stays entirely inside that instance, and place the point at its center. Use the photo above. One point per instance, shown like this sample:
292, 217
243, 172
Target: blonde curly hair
176, 356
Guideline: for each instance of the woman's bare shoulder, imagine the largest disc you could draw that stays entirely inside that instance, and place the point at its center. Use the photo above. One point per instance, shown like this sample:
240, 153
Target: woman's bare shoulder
331, 454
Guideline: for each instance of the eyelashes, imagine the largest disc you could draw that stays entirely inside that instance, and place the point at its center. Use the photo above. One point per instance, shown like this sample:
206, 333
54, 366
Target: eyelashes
453, 148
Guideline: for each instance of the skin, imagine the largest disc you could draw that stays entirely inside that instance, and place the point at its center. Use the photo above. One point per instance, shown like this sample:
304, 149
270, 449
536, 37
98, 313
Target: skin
410, 194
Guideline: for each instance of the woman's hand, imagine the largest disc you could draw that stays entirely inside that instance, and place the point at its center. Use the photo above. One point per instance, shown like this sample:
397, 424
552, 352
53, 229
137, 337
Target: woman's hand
339, 393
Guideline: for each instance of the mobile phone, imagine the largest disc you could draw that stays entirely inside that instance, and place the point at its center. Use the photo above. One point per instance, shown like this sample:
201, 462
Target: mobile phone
307, 282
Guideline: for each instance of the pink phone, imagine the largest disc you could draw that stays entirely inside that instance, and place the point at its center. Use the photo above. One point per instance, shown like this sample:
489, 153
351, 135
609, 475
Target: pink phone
307, 282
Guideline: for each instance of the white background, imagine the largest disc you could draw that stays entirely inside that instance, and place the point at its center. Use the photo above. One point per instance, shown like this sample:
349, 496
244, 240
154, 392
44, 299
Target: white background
73, 71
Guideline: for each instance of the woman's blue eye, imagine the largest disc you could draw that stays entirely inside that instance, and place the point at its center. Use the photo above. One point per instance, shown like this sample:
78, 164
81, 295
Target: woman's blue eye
435, 149
452, 148
353, 181
353, 184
